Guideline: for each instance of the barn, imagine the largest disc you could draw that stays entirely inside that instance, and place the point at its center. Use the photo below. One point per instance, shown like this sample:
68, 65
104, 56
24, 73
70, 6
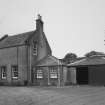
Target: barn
88, 71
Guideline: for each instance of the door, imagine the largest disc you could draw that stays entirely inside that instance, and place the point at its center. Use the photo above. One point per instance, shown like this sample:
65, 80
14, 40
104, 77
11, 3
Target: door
82, 75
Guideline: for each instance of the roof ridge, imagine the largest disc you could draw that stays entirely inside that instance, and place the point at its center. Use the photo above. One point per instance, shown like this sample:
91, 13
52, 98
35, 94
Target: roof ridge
20, 33
77, 61
14, 40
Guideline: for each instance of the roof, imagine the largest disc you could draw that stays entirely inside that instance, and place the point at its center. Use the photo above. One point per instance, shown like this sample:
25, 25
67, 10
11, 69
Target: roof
19, 39
49, 61
15, 40
99, 60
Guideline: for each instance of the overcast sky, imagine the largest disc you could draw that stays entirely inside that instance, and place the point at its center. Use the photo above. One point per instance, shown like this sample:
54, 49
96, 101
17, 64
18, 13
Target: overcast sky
76, 26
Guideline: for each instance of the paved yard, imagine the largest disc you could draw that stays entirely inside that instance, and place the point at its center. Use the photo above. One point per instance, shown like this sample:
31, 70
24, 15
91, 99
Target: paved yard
73, 95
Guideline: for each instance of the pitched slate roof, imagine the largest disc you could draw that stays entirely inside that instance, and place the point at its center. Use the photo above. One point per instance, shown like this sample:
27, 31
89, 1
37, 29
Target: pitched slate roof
49, 61
95, 60
15, 40
19, 39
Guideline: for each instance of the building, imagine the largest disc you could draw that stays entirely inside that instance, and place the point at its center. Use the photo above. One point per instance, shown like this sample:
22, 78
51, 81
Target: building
26, 59
50, 71
88, 71
19, 54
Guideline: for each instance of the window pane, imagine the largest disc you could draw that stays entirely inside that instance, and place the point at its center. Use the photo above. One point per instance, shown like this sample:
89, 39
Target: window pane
3, 72
34, 48
53, 72
39, 73
14, 72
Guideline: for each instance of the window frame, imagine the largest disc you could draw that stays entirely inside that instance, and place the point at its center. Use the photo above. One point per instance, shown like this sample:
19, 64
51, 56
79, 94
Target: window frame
35, 47
53, 72
12, 72
2, 68
39, 73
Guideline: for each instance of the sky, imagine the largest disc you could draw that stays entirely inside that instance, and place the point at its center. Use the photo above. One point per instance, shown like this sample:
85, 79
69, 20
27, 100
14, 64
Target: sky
76, 26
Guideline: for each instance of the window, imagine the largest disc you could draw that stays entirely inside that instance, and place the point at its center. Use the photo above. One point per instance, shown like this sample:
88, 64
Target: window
34, 48
53, 72
39, 73
15, 72
3, 72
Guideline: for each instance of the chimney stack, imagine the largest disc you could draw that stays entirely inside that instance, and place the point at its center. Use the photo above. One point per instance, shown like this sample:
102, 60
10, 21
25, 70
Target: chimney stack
39, 23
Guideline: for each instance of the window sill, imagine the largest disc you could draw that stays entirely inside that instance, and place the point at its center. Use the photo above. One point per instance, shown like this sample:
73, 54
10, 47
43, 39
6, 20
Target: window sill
14, 78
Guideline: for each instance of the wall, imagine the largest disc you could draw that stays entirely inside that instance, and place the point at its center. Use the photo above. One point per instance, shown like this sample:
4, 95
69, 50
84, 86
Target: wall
97, 75
14, 56
40, 81
43, 50
43, 47
46, 80
71, 76
65, 71
41, 53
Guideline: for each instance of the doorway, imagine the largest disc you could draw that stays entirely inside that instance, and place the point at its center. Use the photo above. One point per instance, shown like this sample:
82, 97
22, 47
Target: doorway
82, 75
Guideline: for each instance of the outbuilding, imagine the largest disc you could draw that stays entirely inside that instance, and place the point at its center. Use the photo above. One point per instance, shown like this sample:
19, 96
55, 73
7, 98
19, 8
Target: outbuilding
88, 71
50, 71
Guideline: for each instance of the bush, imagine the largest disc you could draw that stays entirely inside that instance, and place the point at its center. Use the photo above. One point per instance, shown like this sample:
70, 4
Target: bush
68, 83
25, 83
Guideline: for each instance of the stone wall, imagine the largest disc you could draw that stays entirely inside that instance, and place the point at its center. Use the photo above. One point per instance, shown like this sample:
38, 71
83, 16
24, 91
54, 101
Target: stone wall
14, 56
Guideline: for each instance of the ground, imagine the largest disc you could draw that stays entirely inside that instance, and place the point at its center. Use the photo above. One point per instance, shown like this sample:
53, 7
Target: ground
70, 95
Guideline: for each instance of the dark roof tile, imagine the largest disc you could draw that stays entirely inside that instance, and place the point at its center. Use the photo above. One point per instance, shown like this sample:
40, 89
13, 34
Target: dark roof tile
15, 40
49, 61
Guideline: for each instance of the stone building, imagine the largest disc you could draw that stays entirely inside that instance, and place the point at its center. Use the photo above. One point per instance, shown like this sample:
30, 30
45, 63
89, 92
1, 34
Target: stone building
19, 54
50, 71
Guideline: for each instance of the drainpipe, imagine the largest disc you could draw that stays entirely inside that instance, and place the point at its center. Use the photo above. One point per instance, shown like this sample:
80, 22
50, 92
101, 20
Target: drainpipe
30, 63
59, 82
48, 75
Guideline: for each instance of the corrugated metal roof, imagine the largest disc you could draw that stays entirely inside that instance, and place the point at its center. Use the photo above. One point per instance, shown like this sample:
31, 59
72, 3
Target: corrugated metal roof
89, 61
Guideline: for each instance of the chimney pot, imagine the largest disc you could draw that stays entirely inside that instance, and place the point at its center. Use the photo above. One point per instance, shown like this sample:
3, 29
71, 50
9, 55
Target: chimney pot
39, 23
39, 17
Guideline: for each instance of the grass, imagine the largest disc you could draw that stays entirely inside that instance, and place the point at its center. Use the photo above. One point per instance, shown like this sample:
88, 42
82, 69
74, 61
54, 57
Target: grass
70, 95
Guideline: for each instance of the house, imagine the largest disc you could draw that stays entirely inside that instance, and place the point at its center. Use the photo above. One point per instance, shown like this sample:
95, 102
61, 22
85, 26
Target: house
88, 71
19, 54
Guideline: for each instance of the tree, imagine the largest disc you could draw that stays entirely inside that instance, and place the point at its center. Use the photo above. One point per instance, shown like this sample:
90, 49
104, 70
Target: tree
69, 57
94, 53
